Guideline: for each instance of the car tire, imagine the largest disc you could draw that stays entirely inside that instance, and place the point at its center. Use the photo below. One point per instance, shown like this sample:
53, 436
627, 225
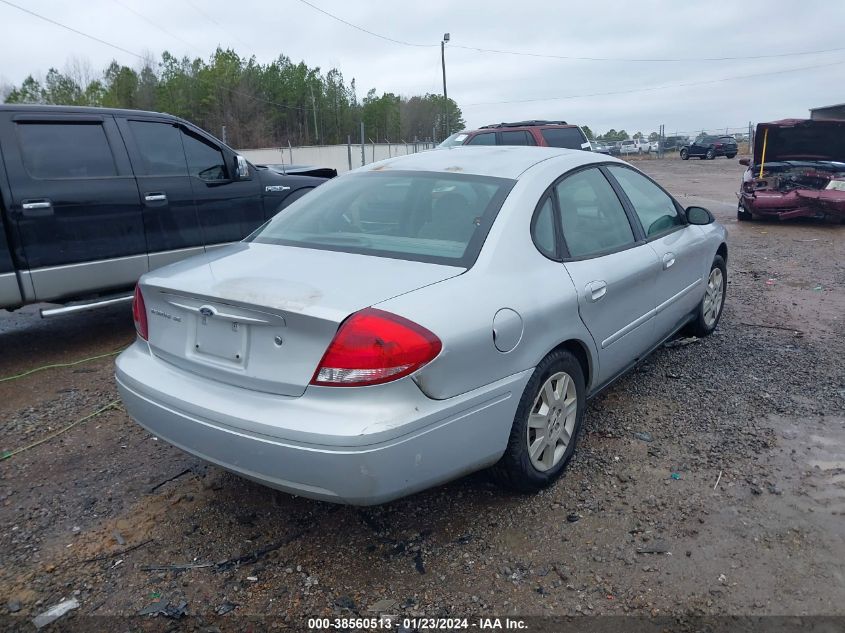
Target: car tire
552, 405
729, 156
707, 318
711, 154
684, 154
742, 215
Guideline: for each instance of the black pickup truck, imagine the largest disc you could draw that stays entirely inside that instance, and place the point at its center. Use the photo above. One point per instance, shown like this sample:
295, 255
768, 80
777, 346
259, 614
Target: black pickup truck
92, 198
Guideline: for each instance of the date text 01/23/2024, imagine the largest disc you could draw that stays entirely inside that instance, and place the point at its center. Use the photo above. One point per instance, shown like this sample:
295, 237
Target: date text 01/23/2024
415, 624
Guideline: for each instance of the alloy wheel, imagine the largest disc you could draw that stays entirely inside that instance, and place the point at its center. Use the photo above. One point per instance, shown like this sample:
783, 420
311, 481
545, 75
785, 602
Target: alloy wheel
713, 296
551, 421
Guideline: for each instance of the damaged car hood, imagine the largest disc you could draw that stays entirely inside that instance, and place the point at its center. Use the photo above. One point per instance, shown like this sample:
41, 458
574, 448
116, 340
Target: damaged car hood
800, 139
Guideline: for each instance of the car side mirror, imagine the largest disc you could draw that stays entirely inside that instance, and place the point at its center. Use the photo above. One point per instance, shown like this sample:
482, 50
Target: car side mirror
241, 170
745, 161
699, 216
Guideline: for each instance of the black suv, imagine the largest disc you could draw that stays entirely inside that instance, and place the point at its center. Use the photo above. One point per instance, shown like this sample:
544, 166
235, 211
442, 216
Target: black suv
710, 147
91, 198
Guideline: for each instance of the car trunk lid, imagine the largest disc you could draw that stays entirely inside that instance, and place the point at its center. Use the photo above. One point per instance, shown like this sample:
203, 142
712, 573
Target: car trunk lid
261, 316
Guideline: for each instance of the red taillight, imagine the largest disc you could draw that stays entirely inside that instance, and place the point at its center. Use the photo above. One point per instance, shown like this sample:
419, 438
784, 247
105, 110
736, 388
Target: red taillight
372, 347
139, 314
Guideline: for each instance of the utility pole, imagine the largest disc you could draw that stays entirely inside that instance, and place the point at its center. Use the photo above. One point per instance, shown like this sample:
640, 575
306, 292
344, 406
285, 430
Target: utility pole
445, 96
223, 136
314, 107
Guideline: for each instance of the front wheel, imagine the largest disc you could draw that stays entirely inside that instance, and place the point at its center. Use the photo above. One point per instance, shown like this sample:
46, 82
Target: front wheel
546, 425
710, 308
742, 215
684, 154
711, 154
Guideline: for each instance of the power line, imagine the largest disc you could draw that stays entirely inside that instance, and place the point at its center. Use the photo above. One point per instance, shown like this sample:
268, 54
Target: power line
155, 25
572, 57
362, 29
216, 23
645, 59
71, 29
653, 88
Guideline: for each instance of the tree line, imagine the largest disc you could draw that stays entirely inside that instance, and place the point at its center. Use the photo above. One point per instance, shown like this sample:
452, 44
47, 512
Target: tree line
613, 135
260, 105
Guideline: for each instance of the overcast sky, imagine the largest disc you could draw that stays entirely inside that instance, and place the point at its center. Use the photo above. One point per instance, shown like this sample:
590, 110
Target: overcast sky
481, 83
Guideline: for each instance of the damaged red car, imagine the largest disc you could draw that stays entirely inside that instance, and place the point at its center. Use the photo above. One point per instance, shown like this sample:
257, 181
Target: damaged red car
797, 170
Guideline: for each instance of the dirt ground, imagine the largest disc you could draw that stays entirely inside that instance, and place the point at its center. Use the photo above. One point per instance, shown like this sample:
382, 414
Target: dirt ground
709, 481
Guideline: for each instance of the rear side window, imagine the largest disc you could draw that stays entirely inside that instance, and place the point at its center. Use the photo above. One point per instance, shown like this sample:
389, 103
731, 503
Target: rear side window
421, 216
566, 137
653, 206
160, 146
66, 150
205, 161
592, 216
518, 137
488, 138
544, 229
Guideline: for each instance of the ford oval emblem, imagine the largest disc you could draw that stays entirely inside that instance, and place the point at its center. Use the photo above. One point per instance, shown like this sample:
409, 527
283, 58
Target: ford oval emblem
207, 311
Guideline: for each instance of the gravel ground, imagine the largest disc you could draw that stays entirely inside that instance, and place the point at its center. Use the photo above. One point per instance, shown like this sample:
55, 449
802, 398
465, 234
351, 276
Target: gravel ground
709, 481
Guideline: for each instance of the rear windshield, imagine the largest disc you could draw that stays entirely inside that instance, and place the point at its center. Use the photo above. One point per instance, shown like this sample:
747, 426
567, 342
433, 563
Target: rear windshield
420, 216
567, 137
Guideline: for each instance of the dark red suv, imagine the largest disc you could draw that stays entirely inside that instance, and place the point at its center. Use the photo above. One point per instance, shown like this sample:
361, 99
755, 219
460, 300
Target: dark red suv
541, 133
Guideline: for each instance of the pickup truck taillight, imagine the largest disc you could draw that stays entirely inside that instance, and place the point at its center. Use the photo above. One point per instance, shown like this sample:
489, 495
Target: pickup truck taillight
139, 314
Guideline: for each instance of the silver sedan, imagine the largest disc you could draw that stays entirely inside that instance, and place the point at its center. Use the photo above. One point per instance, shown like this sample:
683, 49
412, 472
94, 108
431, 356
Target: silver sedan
419, 319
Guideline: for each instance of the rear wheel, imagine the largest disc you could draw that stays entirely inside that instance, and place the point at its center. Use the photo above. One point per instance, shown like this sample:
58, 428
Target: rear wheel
546, 425
710, 309
684, 154
730, 155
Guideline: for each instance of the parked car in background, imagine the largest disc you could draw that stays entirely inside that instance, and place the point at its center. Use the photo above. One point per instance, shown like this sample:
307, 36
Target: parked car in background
615, 148
674, 143
710, 147
93, 198
539, 133
797, 170
633, 146
599, 147
420, 318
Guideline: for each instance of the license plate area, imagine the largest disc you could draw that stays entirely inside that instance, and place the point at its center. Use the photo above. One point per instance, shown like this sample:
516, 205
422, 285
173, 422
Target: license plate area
221, 340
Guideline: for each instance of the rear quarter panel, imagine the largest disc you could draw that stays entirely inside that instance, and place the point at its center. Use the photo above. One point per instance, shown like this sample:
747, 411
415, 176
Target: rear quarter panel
509, 273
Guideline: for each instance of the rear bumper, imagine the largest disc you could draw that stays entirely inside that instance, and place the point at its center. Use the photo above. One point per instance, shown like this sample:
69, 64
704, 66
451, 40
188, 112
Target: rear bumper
360, 446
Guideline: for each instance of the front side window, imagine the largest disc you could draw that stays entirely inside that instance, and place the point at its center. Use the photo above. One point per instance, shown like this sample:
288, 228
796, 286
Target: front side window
160, 146
488, 138
592, 216
421, 216
655, 209
205, 161
66, 150
566, 137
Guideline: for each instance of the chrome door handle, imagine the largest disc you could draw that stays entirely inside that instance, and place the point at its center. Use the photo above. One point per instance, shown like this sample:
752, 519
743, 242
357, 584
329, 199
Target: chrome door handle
668, 260
37, 208
155, 197
596, 290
